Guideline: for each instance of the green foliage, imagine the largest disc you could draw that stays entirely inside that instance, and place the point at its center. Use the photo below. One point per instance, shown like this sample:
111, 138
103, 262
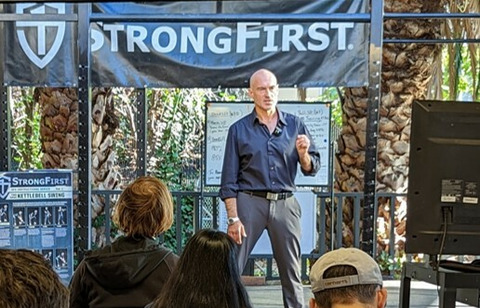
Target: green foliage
175, 135
170, 237
331, 95
458, 75
390, 265
26, 144
175, 139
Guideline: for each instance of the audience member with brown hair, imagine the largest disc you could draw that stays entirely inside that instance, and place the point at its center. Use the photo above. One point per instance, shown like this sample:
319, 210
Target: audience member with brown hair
206, 276
28, 280
132, 270
347, 278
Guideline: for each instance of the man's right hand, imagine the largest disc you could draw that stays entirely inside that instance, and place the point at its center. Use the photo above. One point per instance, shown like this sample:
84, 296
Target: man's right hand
237, 232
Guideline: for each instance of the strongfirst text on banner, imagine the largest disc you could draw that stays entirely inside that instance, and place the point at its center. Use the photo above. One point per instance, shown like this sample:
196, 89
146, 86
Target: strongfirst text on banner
154, 51
36, 213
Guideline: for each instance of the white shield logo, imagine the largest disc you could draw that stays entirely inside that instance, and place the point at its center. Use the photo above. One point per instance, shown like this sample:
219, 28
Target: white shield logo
4, 187
44, 32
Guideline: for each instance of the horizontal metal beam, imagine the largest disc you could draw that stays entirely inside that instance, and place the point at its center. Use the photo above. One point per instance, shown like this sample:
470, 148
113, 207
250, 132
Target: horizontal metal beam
251, 17
361, 17
38, 17
430, 15
81, 1
430, 41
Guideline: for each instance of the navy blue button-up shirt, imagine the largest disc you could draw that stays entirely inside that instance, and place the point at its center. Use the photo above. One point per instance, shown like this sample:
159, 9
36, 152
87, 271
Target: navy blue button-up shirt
257, 160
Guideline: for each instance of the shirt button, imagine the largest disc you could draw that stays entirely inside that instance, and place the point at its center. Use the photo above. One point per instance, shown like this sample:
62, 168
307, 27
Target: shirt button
271, 168
273, 182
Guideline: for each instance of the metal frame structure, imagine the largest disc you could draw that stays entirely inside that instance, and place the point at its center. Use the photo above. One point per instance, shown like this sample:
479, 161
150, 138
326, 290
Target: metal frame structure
374, 99
85, 16
84, 133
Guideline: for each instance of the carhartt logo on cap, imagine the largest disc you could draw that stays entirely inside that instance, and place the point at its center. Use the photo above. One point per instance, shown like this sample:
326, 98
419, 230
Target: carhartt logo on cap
366, 269
333, 284
338, 282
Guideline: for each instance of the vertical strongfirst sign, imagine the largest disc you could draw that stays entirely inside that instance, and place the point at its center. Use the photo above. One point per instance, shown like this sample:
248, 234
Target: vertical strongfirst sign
36, 214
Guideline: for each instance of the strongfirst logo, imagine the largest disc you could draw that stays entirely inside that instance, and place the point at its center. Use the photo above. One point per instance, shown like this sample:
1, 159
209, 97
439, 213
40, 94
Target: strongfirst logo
45, 49
4, 186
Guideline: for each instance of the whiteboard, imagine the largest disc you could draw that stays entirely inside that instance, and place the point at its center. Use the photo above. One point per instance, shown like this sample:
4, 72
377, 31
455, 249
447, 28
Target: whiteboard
220, 115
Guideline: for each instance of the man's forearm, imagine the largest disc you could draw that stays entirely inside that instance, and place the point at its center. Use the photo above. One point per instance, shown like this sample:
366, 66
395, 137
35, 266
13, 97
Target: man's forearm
231, 207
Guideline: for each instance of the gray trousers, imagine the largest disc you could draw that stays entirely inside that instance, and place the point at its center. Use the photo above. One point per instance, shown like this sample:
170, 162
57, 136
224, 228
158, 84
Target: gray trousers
282, 220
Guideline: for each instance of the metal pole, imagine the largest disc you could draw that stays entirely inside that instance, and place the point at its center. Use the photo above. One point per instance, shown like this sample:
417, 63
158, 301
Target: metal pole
141, 118
374, 99
4, 110
84, 133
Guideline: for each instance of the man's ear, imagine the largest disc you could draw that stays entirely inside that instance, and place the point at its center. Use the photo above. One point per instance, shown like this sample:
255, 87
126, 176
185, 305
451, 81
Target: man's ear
382, 298
313, 304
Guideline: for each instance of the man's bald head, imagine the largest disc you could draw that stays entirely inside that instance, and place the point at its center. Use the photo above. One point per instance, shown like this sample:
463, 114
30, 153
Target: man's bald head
262, 73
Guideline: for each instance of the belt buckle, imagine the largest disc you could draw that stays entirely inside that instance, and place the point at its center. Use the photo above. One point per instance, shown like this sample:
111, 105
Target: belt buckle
272, 196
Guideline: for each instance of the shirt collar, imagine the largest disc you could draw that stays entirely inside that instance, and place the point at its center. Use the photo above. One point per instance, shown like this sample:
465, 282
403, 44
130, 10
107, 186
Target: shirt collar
281, 117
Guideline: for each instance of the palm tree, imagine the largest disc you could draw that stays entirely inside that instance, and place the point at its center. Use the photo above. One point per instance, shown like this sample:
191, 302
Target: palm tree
58, 127
59, 138
407, 70
105, 171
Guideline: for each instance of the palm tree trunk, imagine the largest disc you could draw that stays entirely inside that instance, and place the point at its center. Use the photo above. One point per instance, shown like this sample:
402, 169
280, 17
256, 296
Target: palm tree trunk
406, 73
58, 127
105, 174
59, 138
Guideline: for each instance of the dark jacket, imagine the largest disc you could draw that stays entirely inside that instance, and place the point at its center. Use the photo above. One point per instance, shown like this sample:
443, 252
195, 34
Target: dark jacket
127, 273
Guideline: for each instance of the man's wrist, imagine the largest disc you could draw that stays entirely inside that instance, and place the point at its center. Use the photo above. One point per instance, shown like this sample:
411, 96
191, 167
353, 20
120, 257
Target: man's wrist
232, 220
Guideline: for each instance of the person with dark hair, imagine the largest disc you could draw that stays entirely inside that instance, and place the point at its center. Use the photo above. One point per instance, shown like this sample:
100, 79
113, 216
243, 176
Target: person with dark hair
347, 277
206, 276
132, 270
28, 280
263, 152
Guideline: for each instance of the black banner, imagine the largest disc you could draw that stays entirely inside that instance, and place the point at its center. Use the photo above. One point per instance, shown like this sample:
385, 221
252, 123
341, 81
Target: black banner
41, 53
160, 52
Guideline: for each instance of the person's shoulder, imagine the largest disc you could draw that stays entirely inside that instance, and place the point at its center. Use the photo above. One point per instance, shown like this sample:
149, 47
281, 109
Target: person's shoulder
163, 255
99, 251
245, 119
172, 258
284, 113
290, 117
241, 124
160, 251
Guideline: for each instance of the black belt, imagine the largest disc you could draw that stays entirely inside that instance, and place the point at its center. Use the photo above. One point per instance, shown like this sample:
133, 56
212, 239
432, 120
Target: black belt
268, 194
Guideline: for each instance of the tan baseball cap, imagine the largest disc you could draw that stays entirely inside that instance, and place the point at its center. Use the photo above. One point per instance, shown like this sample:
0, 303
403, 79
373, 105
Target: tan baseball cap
367, 268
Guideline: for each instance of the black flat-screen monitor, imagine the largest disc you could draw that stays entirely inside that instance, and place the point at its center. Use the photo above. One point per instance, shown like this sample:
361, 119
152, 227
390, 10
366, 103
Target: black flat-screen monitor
443, 209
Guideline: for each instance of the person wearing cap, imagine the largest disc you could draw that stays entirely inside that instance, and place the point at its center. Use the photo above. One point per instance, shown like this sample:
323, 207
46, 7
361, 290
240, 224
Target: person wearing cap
263, 152
347, 278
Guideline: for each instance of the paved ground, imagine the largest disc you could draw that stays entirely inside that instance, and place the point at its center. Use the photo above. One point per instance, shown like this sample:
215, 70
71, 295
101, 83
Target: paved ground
422, 295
